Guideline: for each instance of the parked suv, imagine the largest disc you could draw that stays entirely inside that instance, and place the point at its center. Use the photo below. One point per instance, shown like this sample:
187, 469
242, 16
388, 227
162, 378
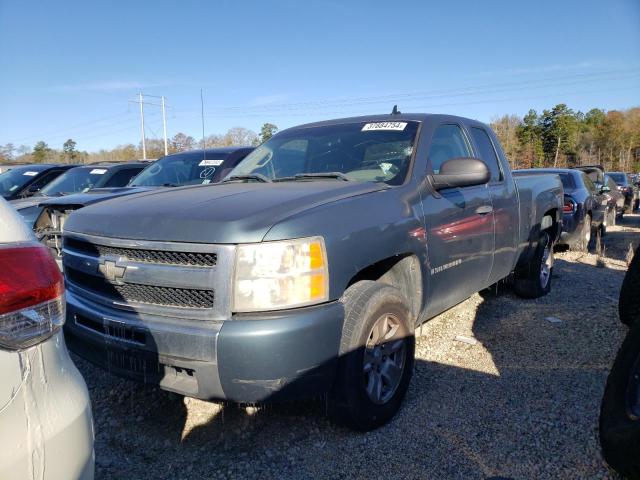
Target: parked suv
27, 180
628, 189
584, 206
78, 179
45, 414
306, 271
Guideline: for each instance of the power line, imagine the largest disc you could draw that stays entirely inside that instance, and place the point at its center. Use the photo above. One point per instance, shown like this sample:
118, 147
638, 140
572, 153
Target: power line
461, 91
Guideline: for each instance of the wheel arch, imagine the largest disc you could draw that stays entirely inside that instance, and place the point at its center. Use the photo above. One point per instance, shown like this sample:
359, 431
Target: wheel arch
401, 271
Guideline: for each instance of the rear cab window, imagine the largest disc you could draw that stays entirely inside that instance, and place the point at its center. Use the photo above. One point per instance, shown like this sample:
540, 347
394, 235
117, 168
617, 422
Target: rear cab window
487, 152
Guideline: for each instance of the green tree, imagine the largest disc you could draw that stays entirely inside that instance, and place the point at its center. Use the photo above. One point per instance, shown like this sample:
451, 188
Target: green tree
69, 151
267, 131
529, 136
560, 128
40, 152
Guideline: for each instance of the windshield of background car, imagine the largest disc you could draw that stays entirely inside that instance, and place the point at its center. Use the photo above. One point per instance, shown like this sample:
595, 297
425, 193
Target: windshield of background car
76, 180
363, 151
180, 169
608, 181
17, 178
619, 178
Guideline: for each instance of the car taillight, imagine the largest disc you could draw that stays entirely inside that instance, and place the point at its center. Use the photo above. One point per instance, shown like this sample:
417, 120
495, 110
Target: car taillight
569, 206
32, 306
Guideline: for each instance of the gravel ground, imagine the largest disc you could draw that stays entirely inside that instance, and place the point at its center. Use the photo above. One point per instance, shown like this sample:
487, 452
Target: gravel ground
522, 402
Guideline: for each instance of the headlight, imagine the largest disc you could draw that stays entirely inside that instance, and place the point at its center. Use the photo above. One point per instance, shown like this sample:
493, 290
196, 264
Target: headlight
283, 274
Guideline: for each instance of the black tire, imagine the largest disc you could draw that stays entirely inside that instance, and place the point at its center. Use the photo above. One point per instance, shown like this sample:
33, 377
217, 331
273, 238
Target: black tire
584, 243
629, 303
365, 303
609, 220
528, 280
619, 420
628, 208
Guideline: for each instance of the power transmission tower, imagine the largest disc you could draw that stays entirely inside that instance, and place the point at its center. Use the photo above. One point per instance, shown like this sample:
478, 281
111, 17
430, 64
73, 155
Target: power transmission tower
162, 104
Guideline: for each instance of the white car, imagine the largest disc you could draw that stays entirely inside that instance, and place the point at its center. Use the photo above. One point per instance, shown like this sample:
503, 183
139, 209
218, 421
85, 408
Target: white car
46, 427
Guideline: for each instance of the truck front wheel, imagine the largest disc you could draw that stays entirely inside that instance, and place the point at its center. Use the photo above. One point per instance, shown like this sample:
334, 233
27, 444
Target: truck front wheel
376, 356
534, 280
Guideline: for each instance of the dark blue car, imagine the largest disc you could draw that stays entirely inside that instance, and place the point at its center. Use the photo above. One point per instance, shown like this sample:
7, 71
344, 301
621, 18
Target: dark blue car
584, 207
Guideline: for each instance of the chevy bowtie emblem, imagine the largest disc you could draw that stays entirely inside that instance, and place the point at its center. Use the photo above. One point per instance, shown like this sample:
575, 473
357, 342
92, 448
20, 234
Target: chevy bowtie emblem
111, 271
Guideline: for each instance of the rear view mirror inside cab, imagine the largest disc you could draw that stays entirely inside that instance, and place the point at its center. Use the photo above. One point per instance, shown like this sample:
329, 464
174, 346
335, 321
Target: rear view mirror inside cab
461, 172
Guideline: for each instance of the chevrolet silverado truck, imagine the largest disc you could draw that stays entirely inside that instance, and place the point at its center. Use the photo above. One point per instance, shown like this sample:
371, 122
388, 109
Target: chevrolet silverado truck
307, 270
186, 168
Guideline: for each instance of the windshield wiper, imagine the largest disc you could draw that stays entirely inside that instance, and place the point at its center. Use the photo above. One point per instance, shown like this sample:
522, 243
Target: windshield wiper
249, 176
169, 185
321, 175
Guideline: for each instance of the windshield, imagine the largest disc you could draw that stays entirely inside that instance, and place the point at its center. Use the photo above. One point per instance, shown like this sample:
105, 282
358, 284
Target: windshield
364, 152
187, 168
76, 180
16, 178
619, 178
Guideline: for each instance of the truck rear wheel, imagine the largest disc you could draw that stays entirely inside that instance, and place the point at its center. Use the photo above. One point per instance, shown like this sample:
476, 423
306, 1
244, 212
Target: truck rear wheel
376, 356
534, 279
620, 409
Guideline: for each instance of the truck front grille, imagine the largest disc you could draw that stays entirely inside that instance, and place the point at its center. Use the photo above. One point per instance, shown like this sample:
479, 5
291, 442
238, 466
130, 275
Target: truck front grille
134, 292
144, 255
173, 279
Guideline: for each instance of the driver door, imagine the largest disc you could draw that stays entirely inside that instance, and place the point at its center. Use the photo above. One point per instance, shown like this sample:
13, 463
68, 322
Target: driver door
460, 227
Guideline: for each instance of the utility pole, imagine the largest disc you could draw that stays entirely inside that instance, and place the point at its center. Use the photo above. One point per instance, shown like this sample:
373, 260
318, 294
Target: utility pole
144, 146
164, 127
142, 102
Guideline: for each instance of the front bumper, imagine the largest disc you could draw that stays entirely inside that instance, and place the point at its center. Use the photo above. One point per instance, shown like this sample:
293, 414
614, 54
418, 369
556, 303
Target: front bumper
47, 429
249, 358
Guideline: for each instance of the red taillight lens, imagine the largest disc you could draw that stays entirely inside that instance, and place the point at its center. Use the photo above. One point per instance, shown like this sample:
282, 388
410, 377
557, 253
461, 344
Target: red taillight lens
569, 206
31, 296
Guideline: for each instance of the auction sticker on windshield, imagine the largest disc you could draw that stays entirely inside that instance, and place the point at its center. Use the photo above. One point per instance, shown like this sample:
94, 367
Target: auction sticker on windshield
30, 174
384, 126
98, 171
210, 163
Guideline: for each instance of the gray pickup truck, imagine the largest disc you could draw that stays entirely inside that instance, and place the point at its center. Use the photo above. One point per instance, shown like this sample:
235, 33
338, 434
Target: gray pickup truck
306, 272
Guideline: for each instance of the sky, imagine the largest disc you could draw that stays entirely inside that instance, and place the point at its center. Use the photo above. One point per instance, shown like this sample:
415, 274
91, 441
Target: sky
73, 69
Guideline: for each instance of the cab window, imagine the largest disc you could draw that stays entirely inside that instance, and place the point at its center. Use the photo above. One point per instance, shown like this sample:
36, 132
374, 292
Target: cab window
448, 142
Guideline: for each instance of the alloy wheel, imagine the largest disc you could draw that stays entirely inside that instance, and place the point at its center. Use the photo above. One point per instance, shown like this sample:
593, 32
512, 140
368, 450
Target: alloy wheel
384, 358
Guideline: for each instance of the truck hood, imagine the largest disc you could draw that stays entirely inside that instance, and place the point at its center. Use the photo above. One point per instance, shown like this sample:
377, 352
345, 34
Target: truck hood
92, 196
221, 213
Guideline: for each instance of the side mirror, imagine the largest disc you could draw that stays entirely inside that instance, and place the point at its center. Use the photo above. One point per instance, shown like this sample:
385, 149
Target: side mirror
461, 172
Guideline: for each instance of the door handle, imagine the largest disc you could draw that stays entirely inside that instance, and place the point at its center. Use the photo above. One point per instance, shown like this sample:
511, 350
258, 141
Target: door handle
484, 210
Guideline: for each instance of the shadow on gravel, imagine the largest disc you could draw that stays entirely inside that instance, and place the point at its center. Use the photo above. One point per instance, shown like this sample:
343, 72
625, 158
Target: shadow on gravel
521, 403
621, 240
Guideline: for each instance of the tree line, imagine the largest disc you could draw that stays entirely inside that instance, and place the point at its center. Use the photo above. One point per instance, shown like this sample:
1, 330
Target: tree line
561, 137
180, 142
558, 137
